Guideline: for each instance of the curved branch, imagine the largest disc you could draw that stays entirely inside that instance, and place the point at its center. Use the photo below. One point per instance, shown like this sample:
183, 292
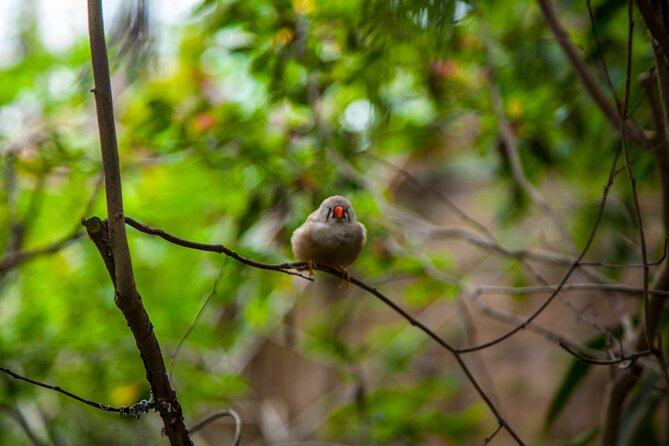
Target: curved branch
220, 249
568, 274
591, 85
653, 307
287, 267
631, 357
223, 413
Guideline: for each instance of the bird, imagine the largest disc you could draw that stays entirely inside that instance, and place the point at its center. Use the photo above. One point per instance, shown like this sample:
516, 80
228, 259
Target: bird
330, 236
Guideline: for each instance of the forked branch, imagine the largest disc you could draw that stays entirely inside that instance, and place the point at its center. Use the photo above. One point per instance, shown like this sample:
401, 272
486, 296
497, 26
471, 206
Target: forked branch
126, 296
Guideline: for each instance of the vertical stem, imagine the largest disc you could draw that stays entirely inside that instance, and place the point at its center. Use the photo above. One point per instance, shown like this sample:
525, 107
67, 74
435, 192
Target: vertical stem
654, 305
126, 297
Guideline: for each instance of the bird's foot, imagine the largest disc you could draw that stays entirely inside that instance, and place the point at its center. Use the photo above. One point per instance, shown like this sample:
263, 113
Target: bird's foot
311, 266
344, 279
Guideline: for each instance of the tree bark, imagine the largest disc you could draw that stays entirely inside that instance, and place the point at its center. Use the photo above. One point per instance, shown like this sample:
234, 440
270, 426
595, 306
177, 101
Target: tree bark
126, 295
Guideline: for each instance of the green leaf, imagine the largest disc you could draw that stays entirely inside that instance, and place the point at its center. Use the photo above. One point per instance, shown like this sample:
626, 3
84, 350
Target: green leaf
575, 373
636, 424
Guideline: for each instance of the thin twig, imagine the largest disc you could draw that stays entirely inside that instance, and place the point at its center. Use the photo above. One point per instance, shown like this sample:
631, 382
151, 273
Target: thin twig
519, 254
633, 265
571, 269
623, 289
625, 382
286, 267
470, 335
455, 352
657, 30
490, 437
15, 225
58, 389
489, 241
540, 289
14, 259
191, 327
630, 357
441, 197
510, 145
602, 59
514, 319
223, 413
20, 419
589, 82
650, 337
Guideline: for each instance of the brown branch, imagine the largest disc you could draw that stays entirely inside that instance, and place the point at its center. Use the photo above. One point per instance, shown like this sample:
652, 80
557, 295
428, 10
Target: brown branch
16, 230
489, 241
20, 419
660, 109
126, 296
440, 196
649, 335
630, 357
550, 335
455, 352
633, 265
541, 289
98, 232
215, 416
569, 346
624, 383
591, 85
287, 267
510, 144
58, 389
649, 14
14, 259
565, 278
220, 249
490, 437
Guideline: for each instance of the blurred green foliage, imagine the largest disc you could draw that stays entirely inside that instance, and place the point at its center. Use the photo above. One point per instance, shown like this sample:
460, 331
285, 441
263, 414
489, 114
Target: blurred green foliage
235, 135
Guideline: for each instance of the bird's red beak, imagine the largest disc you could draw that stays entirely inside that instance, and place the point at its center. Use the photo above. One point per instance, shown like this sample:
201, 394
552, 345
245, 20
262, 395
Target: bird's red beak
339, 212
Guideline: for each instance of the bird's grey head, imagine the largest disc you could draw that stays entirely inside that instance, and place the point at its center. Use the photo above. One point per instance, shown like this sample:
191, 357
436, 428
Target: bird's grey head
336, 208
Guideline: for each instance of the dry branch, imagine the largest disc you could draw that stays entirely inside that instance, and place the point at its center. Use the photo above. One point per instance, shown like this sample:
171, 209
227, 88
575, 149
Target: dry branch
590, 83
287, 267
653, 304
126, 296
58, 389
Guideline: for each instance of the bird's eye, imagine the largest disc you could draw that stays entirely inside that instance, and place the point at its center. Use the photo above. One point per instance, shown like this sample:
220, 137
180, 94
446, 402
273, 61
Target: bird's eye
329, 214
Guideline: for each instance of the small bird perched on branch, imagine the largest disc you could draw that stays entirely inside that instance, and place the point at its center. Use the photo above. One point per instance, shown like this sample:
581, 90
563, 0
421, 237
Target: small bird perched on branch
331, 236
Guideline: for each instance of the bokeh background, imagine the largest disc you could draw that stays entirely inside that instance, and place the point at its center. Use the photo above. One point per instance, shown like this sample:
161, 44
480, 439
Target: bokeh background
235, 119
